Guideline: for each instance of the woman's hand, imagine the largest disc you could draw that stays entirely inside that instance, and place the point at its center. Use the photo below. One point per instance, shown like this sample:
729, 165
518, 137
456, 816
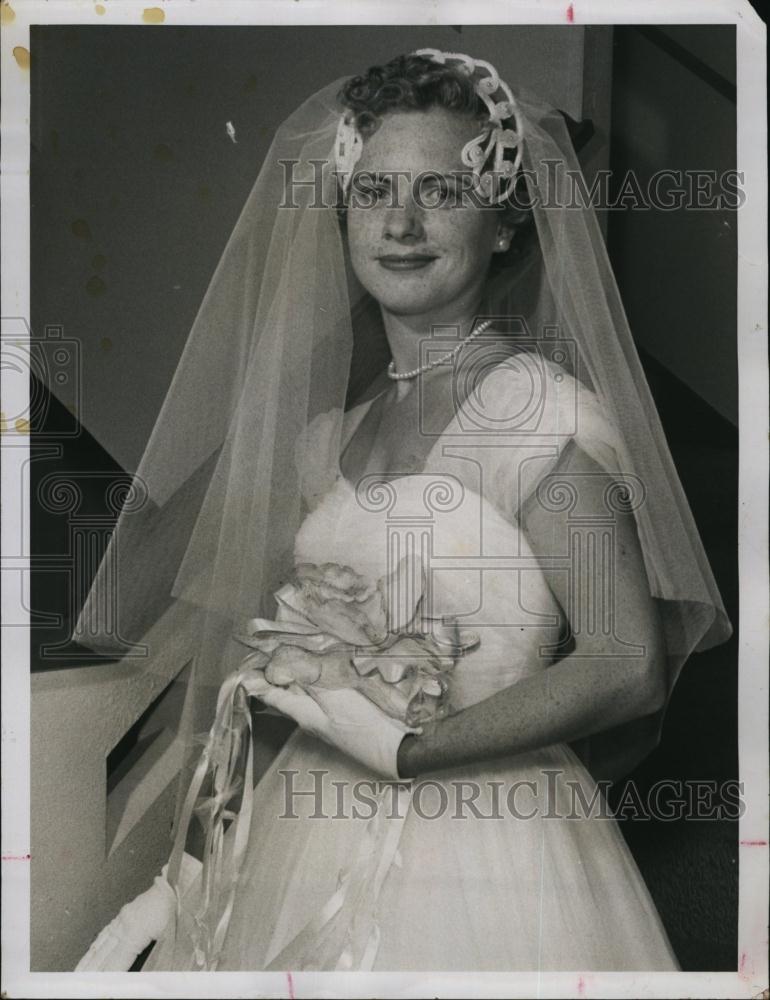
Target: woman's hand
345, 719
138, 923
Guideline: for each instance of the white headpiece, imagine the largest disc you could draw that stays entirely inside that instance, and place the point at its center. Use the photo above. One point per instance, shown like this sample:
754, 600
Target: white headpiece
492, 142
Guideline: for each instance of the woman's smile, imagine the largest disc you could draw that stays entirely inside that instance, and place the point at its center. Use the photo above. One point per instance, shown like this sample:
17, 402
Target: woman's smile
406, 261
394, 240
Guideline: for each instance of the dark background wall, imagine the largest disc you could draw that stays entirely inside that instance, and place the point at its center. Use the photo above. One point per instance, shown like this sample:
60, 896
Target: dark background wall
673, 106
136, 186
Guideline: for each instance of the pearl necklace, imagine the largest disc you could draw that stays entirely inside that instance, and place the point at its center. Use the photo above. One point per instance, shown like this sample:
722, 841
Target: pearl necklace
449, 356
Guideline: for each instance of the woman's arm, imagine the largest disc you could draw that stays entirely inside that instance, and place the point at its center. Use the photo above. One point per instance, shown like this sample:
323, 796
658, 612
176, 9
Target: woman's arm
590, 689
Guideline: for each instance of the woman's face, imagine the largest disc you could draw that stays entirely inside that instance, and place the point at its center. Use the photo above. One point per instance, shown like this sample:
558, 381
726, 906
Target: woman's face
416, 259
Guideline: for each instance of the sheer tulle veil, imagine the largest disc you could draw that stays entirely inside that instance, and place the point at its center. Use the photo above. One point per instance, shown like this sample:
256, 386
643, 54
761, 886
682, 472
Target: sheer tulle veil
278, 341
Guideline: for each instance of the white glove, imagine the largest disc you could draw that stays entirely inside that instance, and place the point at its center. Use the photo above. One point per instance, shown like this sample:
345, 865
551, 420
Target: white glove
138, 923
344, 718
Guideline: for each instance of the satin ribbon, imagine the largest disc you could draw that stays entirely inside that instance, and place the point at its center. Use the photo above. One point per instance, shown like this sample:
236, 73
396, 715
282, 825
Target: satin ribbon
378, 850
359, 885
220, 758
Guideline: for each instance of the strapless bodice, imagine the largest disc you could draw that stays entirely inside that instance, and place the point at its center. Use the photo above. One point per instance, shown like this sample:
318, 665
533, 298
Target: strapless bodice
458, 517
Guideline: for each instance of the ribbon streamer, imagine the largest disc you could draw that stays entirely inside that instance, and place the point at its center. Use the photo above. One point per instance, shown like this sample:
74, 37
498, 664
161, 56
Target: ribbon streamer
219, 759
345, 935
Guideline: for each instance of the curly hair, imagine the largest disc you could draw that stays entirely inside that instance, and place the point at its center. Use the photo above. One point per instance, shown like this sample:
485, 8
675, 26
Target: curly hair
409, 83
417, 83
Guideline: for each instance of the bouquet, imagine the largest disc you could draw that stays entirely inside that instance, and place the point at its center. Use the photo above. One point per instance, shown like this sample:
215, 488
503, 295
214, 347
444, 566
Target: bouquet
336, 629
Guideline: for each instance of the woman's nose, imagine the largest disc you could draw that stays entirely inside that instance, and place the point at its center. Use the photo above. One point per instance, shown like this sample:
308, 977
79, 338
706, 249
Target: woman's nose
404, 221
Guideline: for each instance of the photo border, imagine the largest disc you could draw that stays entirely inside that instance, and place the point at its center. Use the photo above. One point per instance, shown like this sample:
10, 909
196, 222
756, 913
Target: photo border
751, 975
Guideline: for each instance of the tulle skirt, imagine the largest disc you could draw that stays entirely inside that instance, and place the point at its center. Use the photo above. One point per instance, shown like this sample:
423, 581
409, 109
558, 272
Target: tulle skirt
512, 865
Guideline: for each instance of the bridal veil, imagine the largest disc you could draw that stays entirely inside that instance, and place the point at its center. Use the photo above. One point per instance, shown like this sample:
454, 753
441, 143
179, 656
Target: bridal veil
285, 333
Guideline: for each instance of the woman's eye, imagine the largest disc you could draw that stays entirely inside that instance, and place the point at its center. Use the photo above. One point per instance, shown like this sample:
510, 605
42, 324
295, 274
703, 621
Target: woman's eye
378, 190
436, 192
370, 189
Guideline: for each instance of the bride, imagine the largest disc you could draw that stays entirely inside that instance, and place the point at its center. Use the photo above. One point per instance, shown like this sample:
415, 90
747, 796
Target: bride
470, 574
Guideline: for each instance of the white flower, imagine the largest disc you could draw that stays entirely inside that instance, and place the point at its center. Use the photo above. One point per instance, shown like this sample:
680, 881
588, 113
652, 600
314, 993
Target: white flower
332, 631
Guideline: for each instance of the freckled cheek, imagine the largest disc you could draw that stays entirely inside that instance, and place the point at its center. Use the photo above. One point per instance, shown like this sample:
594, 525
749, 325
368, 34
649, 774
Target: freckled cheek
466, 238
362, 238
463, 261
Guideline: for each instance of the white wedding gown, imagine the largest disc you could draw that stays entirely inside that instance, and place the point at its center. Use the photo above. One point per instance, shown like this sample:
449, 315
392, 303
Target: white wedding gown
430, 883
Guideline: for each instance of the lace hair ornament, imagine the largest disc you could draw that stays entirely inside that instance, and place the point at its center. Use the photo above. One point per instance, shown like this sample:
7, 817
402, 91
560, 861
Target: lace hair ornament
493, 141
